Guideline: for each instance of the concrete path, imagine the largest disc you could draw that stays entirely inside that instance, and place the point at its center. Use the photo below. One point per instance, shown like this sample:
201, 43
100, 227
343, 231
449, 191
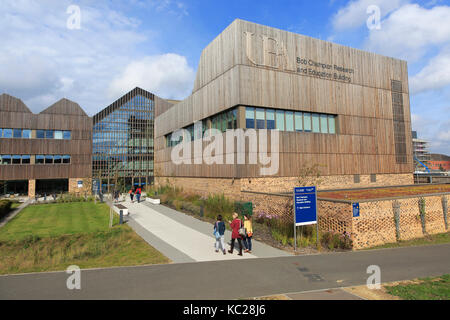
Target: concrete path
183, 238
233, 279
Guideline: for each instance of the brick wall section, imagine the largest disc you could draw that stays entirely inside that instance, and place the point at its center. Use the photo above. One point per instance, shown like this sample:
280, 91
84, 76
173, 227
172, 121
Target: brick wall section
73, 186
31, 188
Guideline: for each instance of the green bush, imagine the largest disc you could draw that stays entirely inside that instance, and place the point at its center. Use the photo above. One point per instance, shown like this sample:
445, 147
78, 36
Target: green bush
218, 204
334, 240
5, 207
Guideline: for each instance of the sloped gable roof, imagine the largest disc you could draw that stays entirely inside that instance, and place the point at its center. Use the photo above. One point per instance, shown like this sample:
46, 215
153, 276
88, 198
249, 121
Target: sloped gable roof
12, 104
65, 106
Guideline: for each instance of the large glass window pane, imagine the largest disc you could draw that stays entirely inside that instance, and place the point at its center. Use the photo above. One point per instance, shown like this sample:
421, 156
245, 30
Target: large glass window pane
66, 135
289, 121
235, 118
7, 133
249, 117
1, 132
49, 134
58, 134
57, 159
26, 159
331, 124
40, 134
323, 123
224, 122
260, 119
39, 159
307, 122
26, 134
16, 159
48, 159
315, 123
270, 115
6, 159
17, 133
66, 159
280, 120
298, 121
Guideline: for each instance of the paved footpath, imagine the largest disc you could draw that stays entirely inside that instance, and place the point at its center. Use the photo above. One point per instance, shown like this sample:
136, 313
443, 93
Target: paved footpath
232, 279
183, 238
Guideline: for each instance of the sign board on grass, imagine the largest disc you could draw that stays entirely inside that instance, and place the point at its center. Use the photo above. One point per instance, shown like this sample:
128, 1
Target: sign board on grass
305, 205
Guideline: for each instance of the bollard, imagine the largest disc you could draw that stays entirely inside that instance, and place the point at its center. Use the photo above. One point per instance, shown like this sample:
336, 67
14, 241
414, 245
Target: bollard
445, 210
396, 208
121, 217
201, 211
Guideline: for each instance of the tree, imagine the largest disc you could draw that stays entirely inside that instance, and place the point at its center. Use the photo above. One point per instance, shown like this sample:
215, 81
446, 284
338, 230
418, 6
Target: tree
309, 175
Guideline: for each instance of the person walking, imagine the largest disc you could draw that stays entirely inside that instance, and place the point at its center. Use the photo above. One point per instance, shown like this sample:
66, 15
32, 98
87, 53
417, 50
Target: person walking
138, 194
249, 233
131, 194
235, 225
219, 233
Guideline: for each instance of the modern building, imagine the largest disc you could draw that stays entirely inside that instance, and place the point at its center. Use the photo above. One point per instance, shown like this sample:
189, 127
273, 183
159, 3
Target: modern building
46, 152
345, 110
123, 135
439, 162
420, 153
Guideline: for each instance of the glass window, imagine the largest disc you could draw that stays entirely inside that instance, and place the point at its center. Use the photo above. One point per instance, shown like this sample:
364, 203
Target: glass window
16, 159
235, 118
66, 159
224, 122
26, 133
307, 122
40, 134
49, 134
331, 124
0, 132
7, 133
289, 121
26, 159
249, 117
298, 121
315, 123
39, 159
6, 159
270, 115
48, 159
57, 159
17, 133
280, 120
323, 123
58, 135
260, 121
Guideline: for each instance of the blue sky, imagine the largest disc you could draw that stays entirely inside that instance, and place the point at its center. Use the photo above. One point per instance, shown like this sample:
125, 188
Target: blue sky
156, 44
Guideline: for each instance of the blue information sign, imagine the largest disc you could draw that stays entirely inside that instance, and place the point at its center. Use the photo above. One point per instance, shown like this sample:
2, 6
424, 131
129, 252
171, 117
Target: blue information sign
355, 209
305, 205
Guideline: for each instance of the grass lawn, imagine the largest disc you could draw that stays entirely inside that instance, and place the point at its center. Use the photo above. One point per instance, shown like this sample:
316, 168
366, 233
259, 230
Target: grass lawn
51, 237
427, 240
424, 289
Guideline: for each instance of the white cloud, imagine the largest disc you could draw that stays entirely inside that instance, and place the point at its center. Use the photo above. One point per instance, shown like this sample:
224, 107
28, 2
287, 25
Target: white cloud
167, 75
42, 61
435, 75
410, 31
354, 14
436, 132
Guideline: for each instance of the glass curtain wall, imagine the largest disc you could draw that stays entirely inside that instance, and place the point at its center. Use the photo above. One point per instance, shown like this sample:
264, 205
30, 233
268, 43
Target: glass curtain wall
123, 143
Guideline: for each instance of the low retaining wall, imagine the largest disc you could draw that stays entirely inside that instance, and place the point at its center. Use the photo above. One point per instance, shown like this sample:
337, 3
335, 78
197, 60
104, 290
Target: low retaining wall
380, 221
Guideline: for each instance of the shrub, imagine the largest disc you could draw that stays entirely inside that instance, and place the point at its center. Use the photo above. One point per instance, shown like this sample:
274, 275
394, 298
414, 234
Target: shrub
5, 207
218, 204
334, 240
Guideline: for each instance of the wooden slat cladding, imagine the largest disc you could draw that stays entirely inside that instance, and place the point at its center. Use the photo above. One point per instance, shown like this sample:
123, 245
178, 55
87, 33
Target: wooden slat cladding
63, 115
229, 76
12, 104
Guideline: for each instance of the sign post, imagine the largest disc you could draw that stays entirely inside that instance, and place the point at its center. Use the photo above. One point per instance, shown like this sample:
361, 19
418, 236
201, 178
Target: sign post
305, 209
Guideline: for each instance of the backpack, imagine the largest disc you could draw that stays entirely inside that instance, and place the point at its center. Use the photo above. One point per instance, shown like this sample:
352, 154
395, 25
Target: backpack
216, 231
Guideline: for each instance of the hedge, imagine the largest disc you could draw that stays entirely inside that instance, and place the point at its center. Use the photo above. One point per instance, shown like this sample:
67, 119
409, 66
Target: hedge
5, 207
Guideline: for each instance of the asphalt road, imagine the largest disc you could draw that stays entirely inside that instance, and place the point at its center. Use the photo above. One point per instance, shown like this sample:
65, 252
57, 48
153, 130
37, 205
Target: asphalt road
234, 278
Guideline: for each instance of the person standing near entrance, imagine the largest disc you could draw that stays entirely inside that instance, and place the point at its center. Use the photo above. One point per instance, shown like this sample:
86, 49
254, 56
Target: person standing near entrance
235, 226
249, 233
219, 233
131, 195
